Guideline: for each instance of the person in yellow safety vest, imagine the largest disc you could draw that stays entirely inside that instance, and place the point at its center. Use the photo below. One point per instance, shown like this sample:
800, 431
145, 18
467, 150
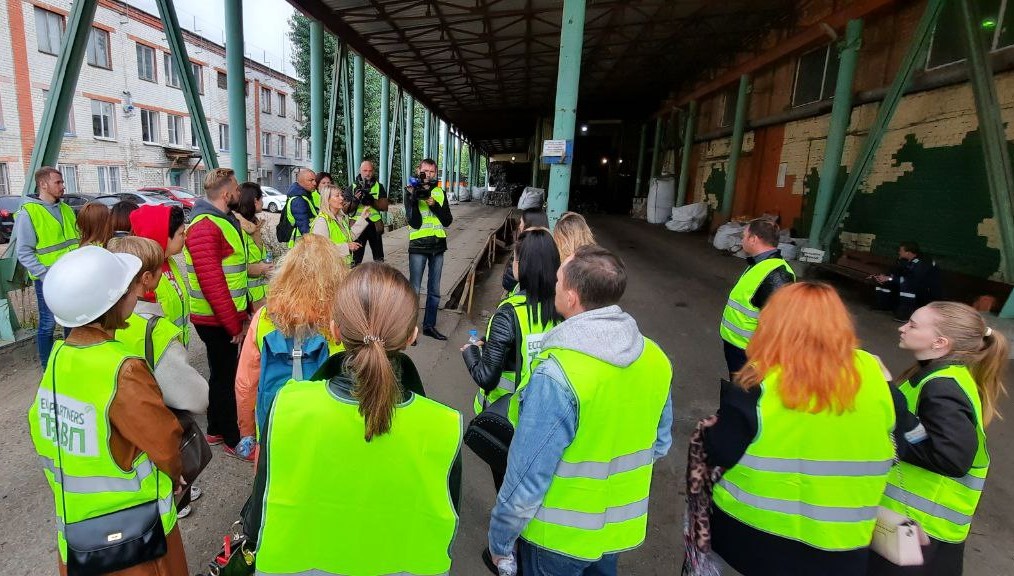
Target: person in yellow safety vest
576, 490
766, 272
372, 198
322, 179
951, 396
258, 259
334, 493
302, 204
44, 229
428, 216
106, 441
166, 225
333, 221
805, 438
298, 311
501, 363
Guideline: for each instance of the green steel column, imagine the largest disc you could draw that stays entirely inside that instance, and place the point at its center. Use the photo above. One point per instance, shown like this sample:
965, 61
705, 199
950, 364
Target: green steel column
536, 152
841, 114
640, 159
913, 58
408, 140
337, 78
385, 131
61, 91
457, 167
567, 78
736, 147
994, 142
316, 95
174, 37
236, 87
688, 146
358, 111
426, 134
442, 152
656, 151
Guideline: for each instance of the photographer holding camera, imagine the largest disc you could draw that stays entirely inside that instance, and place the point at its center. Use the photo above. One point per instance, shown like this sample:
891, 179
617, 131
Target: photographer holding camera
428, 214
370, 193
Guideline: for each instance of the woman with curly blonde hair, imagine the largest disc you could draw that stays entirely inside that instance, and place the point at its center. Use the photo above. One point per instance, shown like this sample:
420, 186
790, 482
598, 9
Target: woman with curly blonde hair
571, 233
297, 317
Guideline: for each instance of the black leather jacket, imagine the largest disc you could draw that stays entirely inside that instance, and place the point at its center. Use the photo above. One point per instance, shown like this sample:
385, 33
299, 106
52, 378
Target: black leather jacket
498, 354
775, 280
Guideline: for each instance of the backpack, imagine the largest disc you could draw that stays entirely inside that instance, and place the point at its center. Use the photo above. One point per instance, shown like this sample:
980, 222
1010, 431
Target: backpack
284, 229
284, 359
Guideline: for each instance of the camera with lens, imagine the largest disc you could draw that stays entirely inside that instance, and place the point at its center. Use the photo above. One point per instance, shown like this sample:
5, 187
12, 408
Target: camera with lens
362, 193
420, 186
352, 200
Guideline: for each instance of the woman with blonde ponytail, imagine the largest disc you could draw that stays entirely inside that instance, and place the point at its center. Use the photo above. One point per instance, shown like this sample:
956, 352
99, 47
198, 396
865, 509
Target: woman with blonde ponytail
358, 454
952, 393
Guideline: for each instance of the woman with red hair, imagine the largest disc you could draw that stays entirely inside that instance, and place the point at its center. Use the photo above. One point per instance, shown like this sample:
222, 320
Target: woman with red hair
804, 435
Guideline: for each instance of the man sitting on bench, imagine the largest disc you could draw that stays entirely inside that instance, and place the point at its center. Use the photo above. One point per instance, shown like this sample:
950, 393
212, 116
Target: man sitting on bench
912, 282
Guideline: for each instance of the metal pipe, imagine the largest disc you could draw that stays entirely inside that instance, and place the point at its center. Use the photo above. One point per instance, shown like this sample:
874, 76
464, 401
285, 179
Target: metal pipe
688, 145
427, 134
236, 87
567, 79
738, 130
358, 112
385, 131
332, 104
408, 140
841, 114
317, 125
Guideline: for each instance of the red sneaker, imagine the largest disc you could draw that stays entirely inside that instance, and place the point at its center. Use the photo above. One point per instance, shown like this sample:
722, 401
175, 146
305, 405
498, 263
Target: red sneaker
232, 452
214, 439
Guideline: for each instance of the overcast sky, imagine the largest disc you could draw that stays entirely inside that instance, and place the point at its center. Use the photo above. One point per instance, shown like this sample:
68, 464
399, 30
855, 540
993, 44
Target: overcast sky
265, 26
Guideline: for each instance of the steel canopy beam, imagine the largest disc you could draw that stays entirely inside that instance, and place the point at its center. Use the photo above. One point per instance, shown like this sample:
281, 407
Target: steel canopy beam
316, 95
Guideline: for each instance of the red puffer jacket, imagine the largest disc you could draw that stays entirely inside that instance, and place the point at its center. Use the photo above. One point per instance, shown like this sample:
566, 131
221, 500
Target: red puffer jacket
208, 247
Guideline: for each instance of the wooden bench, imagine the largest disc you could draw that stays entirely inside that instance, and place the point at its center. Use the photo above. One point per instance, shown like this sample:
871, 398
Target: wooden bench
858, 266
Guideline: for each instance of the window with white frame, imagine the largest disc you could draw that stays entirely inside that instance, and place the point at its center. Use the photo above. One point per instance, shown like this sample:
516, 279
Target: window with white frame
223, 136
109, 179
816, 76
266, 100
297, 148
103, 123
281, 104
198, 71
69, 173
281, 146
49, 30
265, 143
149, 126
197, 182
223, 80
995, 26
146, 63
176, 134
5, 180
70, 129
728, 102
172, 73
98, 49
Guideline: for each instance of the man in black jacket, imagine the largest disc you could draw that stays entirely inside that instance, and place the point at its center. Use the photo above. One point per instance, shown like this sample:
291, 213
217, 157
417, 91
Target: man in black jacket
913, 281
428, 214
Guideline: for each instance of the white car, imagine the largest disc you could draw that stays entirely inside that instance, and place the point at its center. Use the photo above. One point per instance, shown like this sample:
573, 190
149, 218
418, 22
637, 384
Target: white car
274, 201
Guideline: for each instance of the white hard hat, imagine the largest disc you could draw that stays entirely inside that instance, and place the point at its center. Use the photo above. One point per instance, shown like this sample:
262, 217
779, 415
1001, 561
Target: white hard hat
85, 283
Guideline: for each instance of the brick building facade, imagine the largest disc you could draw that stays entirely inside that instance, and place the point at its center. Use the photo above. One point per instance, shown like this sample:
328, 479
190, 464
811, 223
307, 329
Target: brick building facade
130, 126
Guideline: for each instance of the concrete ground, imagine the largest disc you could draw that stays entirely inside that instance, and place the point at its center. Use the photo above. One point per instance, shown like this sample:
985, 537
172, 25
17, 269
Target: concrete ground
678, 285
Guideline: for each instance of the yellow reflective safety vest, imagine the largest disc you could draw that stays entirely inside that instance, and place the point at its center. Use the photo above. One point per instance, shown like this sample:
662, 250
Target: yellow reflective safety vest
313, 201
597, 502
431, 225
815, 477
338, 232
149, 337
234, 267
942, 505
528, 334
739, 320
333, 500
70, 430
174, 301
374, 213
256, 286
52, 238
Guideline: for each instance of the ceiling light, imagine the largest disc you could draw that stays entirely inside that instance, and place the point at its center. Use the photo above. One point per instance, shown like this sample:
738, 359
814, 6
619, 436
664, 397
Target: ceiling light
605, 160
584, 128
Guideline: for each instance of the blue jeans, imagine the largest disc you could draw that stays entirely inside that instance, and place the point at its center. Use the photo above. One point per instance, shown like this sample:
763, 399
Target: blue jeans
537, 561
416, 265
47, 323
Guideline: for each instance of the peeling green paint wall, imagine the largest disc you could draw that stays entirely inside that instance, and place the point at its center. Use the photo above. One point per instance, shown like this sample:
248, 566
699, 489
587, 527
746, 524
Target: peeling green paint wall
714, 185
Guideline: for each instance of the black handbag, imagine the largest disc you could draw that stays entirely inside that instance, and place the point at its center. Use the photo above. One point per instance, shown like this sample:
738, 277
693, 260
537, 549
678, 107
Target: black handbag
236, 558
112, 541
490, 433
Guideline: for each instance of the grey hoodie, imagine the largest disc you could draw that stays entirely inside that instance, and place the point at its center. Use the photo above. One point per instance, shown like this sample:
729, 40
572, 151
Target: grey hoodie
609, 334
27, 239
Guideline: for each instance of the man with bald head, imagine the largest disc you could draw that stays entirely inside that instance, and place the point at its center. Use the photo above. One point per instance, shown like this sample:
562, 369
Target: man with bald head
370, 193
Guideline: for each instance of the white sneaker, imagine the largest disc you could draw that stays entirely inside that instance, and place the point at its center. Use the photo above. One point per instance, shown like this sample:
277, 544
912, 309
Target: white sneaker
184, 512
195, 492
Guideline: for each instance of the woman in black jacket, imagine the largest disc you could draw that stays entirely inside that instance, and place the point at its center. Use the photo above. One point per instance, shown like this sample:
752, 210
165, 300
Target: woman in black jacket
530, 218
502, 364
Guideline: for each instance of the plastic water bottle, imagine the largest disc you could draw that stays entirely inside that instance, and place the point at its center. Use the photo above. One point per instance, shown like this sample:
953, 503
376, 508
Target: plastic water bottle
268, 258
245, 446
507, 566
473, 337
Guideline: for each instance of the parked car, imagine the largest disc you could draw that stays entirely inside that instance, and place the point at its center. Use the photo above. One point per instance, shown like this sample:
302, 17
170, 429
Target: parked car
76, 201
139, 199
12, 203
274, 201
177, 193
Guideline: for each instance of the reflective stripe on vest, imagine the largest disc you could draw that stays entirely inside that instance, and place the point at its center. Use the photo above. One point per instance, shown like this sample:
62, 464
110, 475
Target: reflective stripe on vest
338, 232
374, 213
53, 238
815, 477
174, 299
69, 426
310, 528
431, 225
256, 285
233, 267
942, 505
313, 202
597, 501
739, 319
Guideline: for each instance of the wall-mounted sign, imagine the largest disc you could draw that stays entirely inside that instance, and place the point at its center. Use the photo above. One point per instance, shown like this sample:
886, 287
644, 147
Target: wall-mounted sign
557, 151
